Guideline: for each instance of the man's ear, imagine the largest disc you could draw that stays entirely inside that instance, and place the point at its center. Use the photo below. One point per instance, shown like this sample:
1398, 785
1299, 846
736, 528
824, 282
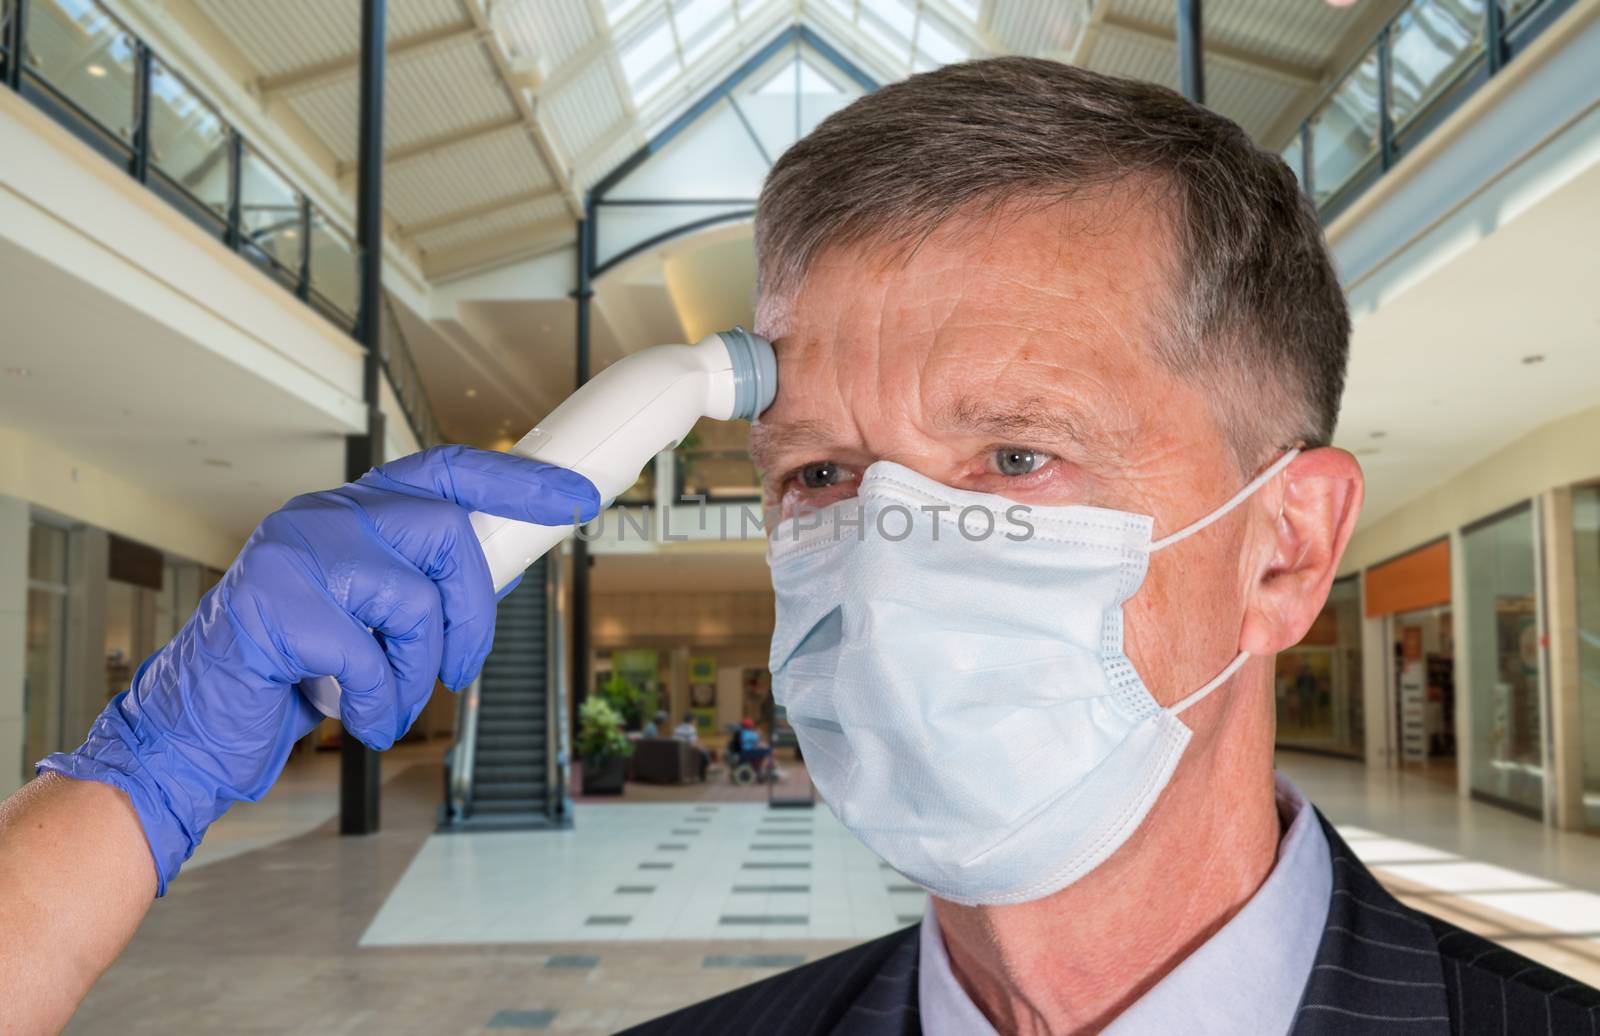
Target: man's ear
1322, 496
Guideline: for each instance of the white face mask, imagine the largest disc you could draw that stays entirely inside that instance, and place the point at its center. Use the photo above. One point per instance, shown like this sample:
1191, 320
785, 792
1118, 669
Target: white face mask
952, 664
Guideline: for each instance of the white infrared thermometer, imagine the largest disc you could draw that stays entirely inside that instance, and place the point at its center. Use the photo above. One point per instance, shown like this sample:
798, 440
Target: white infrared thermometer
610, 429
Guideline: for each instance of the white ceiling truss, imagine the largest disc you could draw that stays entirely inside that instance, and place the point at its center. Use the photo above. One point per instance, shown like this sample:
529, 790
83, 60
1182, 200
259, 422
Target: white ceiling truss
503, 114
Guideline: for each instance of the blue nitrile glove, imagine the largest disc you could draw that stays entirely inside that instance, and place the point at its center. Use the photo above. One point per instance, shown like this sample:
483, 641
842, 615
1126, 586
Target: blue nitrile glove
211, 717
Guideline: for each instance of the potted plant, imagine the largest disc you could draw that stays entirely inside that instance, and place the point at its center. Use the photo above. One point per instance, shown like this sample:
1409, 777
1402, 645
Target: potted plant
602, 746
625, 700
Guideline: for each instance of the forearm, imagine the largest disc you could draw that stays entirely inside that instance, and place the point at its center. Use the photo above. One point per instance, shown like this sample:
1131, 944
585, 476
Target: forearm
76, 878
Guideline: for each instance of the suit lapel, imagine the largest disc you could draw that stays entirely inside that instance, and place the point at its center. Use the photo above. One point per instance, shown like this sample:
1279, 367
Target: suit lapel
887, 1004
1377, 967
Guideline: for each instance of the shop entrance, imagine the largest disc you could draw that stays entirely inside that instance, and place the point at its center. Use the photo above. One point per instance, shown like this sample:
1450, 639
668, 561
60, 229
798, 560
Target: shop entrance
1423, 692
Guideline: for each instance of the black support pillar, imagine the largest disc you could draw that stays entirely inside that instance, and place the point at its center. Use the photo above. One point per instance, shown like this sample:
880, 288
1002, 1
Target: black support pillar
358, 765
580, 549
1191, 53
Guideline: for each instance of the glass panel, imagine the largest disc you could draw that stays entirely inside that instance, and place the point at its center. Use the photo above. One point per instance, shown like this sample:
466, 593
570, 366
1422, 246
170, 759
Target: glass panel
1292, 155
649, 59
1424, 676
1430, 43
43, 679
622, 227
81, 52
122, 635
1318, 685
1344, 132
188, 141
936, 45
333, 264
1586, 552
47, 554
167, 618
269, 210
701, 25
1515, 9
1504, 661
713, 461
643, 491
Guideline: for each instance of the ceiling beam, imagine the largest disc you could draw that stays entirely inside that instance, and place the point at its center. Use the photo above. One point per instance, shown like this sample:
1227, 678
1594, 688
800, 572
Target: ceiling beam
519, 243
1082, 52
574, 66
490, 41
487, 208
1294, 75
273, 88
428, 145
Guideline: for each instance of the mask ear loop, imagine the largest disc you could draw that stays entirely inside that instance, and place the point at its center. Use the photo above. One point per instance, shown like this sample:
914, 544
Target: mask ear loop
1189, 530
1238, 498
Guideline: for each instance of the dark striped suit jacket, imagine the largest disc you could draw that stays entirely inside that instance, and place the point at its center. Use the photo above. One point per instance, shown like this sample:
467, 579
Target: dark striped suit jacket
1381, 968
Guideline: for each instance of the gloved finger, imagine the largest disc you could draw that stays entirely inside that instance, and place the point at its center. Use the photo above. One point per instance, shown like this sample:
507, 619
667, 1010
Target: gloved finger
427, 537
408, 620
321, 638
502, 484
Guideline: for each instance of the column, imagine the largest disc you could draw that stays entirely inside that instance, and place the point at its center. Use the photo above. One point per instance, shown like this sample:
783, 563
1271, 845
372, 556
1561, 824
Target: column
13, 638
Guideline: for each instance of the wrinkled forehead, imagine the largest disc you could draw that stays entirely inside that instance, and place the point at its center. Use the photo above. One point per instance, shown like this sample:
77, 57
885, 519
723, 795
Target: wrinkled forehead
1085, 284
1033, 265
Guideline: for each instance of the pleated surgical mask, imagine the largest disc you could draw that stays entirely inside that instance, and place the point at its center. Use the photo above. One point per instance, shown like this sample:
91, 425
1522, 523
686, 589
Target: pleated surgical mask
952, 663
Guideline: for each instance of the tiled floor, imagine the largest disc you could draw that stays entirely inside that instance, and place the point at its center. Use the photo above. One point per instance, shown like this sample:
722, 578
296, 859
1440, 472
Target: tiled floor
649, 871
587, 931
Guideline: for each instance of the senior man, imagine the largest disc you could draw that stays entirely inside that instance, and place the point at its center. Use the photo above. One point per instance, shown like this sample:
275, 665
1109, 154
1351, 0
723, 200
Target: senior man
1028, 306
1091, 335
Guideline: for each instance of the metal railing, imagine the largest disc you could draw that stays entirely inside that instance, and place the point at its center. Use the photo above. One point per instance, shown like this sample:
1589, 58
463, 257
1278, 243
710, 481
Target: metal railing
81, 65
1427, 60
463, 754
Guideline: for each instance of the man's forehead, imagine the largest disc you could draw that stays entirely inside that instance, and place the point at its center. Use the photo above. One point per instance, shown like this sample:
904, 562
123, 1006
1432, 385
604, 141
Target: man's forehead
1029, 268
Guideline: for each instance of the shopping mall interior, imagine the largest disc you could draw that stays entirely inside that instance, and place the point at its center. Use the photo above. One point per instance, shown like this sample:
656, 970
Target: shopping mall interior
226, 281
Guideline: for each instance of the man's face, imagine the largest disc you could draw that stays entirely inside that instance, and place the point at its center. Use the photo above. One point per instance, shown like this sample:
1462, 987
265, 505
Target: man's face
1016, 356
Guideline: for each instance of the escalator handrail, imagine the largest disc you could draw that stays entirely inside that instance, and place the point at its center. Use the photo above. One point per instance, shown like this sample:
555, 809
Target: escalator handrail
465, 751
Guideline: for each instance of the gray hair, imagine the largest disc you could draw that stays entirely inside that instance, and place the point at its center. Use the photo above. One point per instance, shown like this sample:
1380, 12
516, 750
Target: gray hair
1257, 314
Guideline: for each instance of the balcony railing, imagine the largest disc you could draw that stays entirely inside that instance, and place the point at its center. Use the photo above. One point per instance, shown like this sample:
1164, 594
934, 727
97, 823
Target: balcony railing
1424, 63
83, 67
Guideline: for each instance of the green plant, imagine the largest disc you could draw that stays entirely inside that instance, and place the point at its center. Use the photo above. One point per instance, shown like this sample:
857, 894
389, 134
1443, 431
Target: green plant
623, 697
600, 733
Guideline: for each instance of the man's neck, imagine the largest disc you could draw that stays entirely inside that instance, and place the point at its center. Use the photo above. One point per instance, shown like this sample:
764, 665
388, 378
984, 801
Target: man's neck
1073, 961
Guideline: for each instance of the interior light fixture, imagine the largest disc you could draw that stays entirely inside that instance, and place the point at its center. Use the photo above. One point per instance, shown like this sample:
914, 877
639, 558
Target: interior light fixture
98, 71
472, 393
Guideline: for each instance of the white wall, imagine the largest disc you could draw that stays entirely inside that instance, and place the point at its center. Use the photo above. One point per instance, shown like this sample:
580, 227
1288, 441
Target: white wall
1558, 454
40, 473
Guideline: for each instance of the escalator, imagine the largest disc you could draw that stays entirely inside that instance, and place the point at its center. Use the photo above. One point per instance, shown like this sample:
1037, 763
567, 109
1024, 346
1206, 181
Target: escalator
507, 768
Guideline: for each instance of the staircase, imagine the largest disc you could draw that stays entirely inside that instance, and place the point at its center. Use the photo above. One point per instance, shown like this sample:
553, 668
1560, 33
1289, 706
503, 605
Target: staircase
500, 766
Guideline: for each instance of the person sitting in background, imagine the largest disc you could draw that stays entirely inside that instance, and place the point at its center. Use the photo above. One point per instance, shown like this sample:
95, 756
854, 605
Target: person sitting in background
653, 728
753, 750
687, 731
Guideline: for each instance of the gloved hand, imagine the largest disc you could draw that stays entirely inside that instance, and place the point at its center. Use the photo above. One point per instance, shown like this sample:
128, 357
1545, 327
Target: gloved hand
211, 717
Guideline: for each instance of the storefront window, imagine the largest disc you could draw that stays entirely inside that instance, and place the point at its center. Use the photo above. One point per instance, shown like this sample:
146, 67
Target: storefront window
43, 672
1504, 661
1586, 552
1318, 684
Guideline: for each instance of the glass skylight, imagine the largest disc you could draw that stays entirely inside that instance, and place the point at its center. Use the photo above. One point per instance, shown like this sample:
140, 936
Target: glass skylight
908, 34
660, 39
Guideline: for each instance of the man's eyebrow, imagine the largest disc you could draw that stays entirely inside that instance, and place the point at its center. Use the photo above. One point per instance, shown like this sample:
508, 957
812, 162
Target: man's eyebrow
769, 440
1032, 418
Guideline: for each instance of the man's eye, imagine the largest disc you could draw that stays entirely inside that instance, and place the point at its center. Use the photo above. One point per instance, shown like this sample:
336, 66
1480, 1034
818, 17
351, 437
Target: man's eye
822, 474
1017, 460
